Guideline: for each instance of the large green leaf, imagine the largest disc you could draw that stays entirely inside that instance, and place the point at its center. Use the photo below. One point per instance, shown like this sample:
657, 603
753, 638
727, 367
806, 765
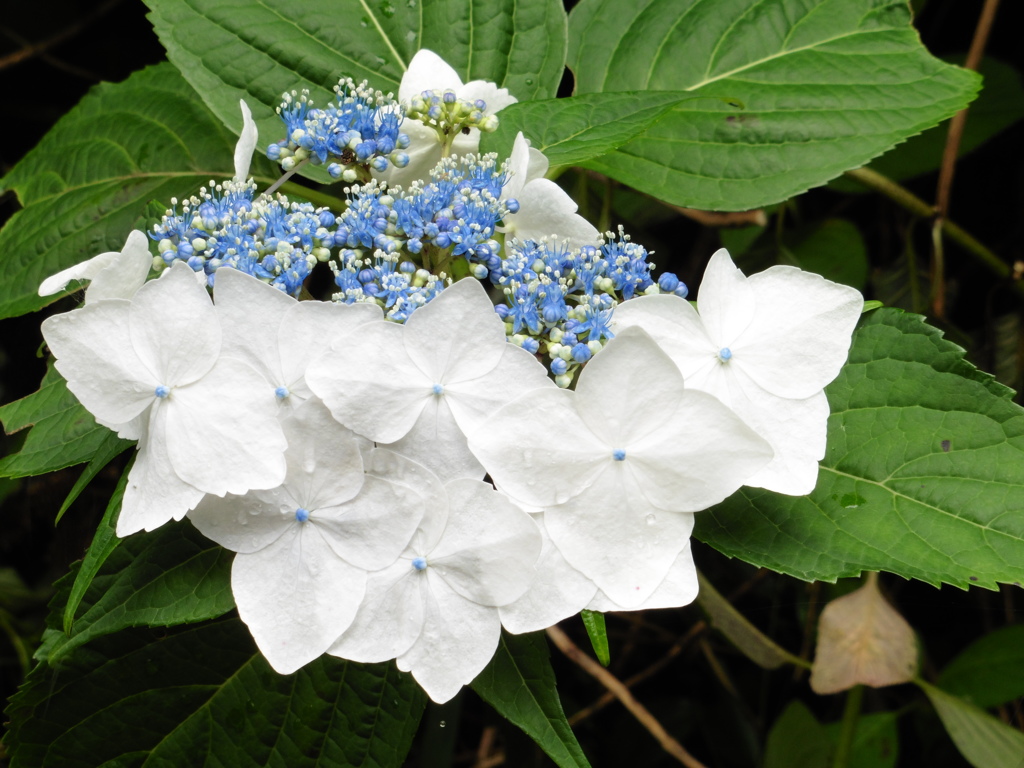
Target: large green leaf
88, 182
991, 671
923, 475
173, 575
203, 696
257, 51
984, 741
798, 740
62, 432
520, 684
572, 131
999, 105
826, 86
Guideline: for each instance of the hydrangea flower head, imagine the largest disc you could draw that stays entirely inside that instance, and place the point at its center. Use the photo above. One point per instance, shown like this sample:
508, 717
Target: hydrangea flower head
766, 346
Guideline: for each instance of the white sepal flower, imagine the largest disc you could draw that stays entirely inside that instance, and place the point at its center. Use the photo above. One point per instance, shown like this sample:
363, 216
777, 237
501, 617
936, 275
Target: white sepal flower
304, 548
151, 370
545, 209
422, 386
279, 336
428, 71
766, 346
619, 464
678, 588
435, 610
246, 144
112, 275
558, 592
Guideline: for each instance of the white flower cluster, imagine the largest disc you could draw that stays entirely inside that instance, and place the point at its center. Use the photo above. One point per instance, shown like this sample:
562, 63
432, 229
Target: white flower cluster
345, 458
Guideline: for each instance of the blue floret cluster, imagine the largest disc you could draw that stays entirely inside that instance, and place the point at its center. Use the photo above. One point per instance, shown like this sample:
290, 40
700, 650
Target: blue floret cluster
266, 236
360, 129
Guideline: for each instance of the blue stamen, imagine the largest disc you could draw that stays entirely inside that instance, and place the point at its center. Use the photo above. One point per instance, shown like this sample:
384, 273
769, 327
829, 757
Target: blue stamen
438, 389
619, 455
302, 515
419, 563
162, 391
724, 354
281, 393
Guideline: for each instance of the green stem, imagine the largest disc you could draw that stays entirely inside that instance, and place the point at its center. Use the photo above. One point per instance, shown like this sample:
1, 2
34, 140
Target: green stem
908, 200
849, 727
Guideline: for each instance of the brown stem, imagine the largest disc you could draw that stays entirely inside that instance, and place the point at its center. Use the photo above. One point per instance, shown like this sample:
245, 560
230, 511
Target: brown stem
949, 155
621, 692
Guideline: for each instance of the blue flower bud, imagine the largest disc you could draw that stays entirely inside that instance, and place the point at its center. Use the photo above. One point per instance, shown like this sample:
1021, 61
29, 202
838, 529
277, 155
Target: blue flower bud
668, 282
581, 353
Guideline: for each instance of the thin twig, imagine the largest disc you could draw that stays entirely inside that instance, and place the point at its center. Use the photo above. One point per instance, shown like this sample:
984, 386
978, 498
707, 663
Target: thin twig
755, 218
911, 202
621, 692
948, 168
36, 49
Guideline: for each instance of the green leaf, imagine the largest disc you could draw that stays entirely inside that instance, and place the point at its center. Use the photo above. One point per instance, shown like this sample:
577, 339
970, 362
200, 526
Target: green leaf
89, 180
991, 671
984, 741
203, 696
923, 475
108, 450
520, 684
999, 105
62, 432
751, 641
598, 634
173, 575
104, 542
571, 131
826, 87
257, 51
834, 249
798, 740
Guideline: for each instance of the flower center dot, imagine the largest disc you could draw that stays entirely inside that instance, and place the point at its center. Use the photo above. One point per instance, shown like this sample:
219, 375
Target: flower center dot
162, 391
438, 389
619, 455
302, 515
724, 354
281, 393
419, 563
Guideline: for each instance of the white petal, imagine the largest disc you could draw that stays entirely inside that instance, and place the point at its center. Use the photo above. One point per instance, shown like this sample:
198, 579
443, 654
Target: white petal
701, 453
296, 596
558, 592
725, 299
801, 331
122, 277
616, 538
474, 400
546, 210
524, 447
95, 355
154, 494
174, 327
325, 467
458, 639
679, 588
496, 98
437, 442
223, 434
252, 314
628, 389
489, 547
246, 143
370, 384
390, 618
84, 270
374, 528
456, 337
675, 325
427, 72
245, 523
796, 430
